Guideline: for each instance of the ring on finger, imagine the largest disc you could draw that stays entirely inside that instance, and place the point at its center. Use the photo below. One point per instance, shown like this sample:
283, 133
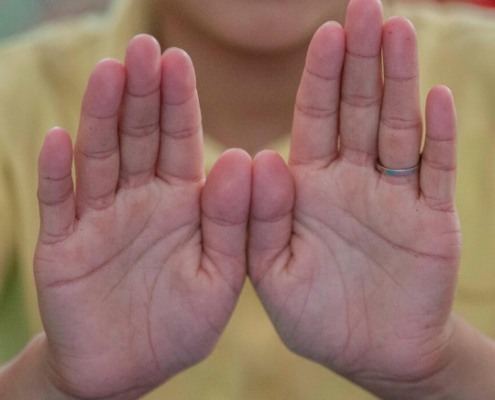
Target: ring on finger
398, 172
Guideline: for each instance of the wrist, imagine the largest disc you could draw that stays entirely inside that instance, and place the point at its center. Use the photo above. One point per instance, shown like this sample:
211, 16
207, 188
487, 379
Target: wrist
469, 375
465, 371
25, 377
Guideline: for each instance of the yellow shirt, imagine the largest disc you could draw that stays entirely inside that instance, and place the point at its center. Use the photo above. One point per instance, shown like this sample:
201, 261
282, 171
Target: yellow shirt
43, 75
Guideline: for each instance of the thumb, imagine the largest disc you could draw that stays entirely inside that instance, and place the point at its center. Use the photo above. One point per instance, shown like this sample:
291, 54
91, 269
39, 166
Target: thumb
270, 226
225, 203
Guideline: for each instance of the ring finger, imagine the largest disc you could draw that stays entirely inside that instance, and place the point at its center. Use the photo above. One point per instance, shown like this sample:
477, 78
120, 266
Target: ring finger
399, 138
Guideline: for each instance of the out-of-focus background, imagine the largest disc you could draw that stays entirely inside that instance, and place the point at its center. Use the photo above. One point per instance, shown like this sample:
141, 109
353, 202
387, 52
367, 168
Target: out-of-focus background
19, 15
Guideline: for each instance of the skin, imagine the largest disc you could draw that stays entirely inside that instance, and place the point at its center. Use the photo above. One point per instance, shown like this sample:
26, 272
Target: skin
248, 57
356, 269
139, 270
261, 27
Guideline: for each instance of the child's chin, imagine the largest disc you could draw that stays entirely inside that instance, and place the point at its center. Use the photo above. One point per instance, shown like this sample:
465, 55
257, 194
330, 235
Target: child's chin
265, 26
264, 35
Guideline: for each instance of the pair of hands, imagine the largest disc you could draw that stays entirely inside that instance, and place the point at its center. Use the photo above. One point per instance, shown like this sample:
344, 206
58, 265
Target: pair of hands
139, 270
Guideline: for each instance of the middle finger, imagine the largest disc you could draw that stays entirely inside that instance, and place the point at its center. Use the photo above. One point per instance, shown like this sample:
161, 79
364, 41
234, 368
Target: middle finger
362, 82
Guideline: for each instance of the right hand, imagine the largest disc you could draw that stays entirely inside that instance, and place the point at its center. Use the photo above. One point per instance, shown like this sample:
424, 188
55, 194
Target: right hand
139, 271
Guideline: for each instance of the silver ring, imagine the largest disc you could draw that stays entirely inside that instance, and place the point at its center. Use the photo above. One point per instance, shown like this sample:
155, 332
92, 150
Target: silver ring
398, 172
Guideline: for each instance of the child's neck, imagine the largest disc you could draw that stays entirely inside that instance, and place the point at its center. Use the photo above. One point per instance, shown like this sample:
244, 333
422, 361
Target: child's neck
247, 99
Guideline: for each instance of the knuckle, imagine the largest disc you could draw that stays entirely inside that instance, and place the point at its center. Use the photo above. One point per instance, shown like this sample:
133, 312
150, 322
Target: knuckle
401, 79
97, 154
174, 179
354, 54
47, 198
438, 165
140, 131
316, 112
184, 133
361, 100
181, 102
399, 123
150, 93
319, 76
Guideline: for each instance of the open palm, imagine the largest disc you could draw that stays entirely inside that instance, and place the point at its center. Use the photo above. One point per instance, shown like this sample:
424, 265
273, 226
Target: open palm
357, 269
140, 270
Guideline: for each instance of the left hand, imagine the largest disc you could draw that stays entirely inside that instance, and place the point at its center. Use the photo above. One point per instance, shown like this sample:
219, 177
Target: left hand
357, 269
139, 270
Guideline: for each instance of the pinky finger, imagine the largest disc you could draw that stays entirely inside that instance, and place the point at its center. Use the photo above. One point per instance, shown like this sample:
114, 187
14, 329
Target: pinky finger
439, 162
55, 187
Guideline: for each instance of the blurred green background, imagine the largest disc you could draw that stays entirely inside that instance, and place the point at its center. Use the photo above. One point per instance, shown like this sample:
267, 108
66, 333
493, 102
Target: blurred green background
19, 15
16, 15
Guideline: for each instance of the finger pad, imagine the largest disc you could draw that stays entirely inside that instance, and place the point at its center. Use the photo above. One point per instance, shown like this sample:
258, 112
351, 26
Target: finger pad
327, 49
143, 64
56, 155
179, 79
364, 19
105, 89
227, 192
399, 43
440, 113
273, 187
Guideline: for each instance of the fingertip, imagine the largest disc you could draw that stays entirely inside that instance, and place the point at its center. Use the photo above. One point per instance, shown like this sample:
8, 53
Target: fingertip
178, 76
269, 160
239, 154
108, 67
178, 53
363, 27
273, 187
260, 156
144, 41
331, 25
440, 115
330, 29
327, 35
366, 6
445, 89
55, 158
359, 9
400, 30
440, 95
142, 64
105, 89
327, 46
58, 134
227, 191
175, 58
234, 168
141, 50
